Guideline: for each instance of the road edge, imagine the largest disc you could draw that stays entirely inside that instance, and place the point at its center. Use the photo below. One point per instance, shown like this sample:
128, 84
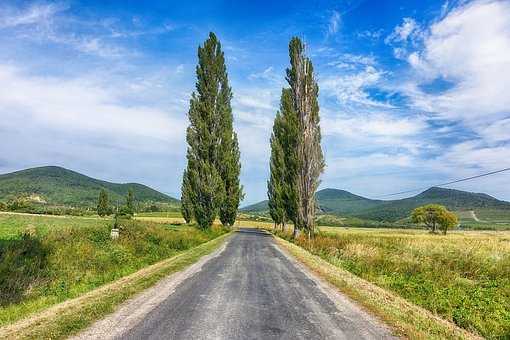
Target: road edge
74, 315
404, 318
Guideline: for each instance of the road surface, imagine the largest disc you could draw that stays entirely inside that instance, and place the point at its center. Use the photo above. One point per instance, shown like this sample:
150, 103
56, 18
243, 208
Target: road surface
249, 290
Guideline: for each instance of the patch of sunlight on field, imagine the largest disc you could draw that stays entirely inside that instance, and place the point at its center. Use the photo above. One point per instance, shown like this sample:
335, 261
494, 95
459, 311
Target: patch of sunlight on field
171, 220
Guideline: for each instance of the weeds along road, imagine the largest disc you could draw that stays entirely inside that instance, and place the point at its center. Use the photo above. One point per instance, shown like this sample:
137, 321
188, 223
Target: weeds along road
247, 290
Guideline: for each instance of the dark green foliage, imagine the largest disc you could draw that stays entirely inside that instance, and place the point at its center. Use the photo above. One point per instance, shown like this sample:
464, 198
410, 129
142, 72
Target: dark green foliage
186, 205
130, 202
228, 160
103, 205
282, 185
230, 170
276, 183
213, 153
22, 262
290, 141
55, 186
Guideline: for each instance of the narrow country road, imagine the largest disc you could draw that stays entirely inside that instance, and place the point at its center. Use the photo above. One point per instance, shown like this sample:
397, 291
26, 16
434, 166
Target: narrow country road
250, 290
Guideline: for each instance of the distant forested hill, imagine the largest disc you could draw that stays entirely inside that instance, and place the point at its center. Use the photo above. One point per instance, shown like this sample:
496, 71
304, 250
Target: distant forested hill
344, 203
58, 186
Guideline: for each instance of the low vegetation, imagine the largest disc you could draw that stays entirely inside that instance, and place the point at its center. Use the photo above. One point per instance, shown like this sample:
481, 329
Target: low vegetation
463, 277
46, 260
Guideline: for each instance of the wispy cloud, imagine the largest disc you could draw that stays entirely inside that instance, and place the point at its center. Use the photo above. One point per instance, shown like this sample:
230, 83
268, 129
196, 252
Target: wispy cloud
334, 22
40, 14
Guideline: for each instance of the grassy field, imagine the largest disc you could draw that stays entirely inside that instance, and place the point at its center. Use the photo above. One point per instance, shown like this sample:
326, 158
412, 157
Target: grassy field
463, 277
12, 225
46, 260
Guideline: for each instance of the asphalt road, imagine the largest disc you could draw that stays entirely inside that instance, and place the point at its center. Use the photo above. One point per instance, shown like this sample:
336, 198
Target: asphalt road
253, 291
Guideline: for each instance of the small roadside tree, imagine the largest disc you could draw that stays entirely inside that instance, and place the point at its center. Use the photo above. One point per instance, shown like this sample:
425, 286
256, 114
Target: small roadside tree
435, 216
103, 208
130, 202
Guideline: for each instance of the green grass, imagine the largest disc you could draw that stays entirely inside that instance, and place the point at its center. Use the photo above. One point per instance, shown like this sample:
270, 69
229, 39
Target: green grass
463, 277
62, 320
13, 225
70, 256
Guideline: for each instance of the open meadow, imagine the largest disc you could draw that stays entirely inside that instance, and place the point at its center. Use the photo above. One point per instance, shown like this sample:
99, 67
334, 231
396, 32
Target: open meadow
463, 277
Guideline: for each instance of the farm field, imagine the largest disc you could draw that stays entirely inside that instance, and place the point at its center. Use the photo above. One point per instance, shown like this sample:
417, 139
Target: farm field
463, 277
46, 260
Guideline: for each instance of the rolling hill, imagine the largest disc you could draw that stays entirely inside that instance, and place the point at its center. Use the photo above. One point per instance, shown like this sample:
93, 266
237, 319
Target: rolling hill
343, 203
59, 186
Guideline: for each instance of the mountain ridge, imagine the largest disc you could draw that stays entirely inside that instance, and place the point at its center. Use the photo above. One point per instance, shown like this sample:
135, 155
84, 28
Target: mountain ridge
344, 203
60, 186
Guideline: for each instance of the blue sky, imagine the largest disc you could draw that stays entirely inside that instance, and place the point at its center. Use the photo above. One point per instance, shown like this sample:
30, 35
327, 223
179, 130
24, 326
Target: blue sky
412, 93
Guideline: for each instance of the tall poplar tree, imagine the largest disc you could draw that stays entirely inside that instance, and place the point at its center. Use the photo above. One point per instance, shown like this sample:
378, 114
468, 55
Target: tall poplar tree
228, 160
130, 202
310, 158
213, 152
103, 208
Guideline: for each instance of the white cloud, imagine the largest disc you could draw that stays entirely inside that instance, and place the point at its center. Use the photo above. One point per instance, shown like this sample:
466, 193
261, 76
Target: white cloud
471, 48
468, 48
351, 87
83, 106
408, 30
36, 14
334, 23
373, 125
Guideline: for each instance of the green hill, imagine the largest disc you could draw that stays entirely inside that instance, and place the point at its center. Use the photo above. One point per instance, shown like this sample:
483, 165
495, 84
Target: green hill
343, 203
54, 185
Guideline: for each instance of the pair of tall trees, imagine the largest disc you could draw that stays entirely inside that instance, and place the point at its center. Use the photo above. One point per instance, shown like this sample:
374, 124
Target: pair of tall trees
103, 203
210, 185
296, 160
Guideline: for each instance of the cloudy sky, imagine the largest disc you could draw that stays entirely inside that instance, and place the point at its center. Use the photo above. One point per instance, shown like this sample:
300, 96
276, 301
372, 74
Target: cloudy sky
412, 93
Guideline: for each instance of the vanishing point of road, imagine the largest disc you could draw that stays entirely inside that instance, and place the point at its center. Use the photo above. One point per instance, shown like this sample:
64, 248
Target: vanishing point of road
248, 290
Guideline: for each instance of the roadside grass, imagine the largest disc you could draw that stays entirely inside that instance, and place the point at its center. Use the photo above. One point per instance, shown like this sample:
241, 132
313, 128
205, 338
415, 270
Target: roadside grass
66, 258
71, 316
405, 318
463, 277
